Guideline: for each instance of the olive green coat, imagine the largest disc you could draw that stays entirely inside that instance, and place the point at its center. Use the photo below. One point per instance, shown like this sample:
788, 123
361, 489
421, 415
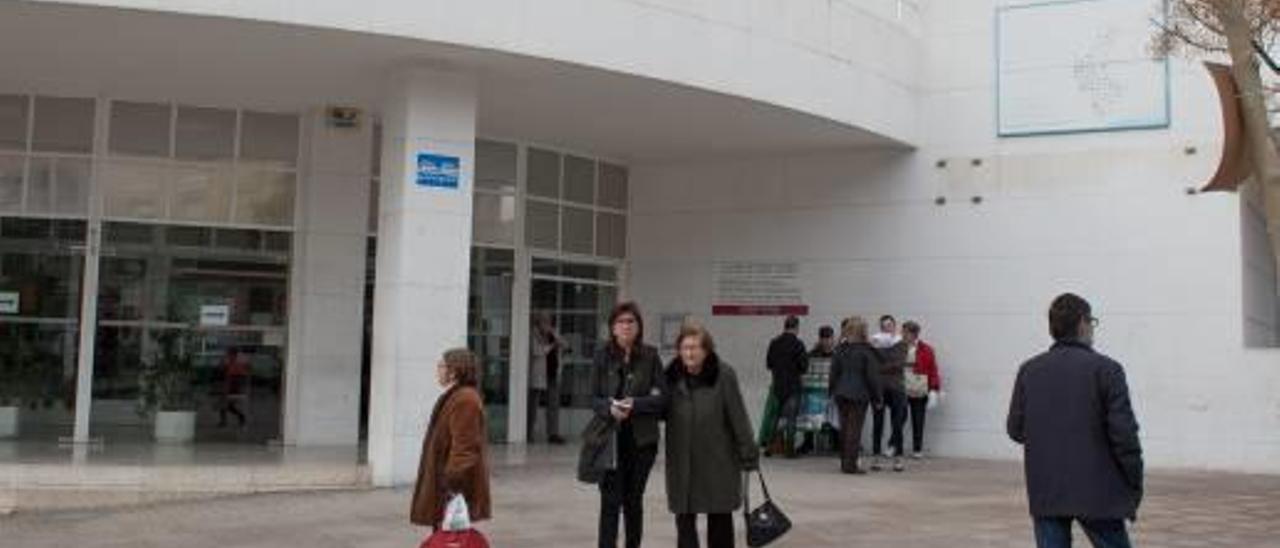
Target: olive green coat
709, 441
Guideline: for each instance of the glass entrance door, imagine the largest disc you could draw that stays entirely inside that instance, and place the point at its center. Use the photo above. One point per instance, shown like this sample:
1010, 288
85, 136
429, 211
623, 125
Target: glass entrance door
578, 299
41, 277
489, 329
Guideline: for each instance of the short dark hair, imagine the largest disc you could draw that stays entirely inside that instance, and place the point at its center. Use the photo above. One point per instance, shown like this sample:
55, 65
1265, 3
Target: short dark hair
911, 327
888, 318
826, 332
463, 366
625, 308
1066, 314
791, 322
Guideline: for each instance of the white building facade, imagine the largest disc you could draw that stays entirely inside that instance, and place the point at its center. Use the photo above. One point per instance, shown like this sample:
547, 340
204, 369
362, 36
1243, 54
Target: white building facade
182, 178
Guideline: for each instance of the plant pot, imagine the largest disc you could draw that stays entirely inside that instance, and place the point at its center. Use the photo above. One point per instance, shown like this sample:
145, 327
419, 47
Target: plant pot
8, 422
175, 426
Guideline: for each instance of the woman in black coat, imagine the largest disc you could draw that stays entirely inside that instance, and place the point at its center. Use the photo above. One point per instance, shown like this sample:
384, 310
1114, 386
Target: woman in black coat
628, 389
854, 383
709, 441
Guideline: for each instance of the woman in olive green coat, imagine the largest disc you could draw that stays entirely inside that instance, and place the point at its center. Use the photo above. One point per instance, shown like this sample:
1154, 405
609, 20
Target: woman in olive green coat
709, 441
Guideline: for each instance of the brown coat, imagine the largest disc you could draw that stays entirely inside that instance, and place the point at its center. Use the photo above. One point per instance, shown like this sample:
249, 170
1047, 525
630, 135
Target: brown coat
455, 459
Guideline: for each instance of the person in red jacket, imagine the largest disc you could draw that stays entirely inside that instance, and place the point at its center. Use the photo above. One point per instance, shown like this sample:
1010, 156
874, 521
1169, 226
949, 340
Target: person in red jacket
921, 381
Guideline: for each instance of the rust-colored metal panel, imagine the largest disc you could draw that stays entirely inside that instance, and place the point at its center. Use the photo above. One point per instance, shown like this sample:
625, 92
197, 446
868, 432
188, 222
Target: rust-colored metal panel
1234, 166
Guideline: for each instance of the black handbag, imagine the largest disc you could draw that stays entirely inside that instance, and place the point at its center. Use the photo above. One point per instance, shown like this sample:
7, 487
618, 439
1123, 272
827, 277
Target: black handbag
765, 523
598, 450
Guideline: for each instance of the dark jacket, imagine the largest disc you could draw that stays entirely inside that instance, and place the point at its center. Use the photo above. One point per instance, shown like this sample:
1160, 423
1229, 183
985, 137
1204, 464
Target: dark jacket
455, 459
855, 373
892, 365
1070, 411
788, 360
646, 385
709, 441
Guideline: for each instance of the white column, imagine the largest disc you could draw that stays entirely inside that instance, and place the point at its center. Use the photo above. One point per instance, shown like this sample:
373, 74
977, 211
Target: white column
518, 375
424, 245
326, 324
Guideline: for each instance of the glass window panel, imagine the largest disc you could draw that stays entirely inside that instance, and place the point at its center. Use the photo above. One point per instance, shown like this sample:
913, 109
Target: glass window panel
11, 169
264, 197
188, 236
40, 186
542, 225
201, 193
579, 180
579, 231
546, 266
544, 173
244, 240
69, 230
140, 129
205, 134
279, 241
134, 189
613, 186
494, 218
269, 138
63, 125
496, 165
71, 186
611, 234
129, 233
13, 122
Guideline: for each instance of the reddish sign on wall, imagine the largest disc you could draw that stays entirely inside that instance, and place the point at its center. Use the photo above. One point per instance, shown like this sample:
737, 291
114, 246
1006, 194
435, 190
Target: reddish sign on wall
760, 310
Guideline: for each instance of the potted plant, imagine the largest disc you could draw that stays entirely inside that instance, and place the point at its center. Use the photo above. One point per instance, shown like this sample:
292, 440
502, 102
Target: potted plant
166, 391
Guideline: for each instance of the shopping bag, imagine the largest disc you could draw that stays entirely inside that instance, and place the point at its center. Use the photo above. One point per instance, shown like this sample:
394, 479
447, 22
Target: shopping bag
765, 523
457, 517
470, 538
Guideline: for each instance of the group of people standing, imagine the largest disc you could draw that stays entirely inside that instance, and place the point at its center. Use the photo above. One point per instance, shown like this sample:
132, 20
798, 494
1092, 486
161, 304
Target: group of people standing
1070, 410
890, 372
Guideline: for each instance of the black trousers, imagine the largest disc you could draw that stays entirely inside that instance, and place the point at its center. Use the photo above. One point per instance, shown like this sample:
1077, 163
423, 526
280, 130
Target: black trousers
719, 531
622, 492
853, 415
896, 402
918, 407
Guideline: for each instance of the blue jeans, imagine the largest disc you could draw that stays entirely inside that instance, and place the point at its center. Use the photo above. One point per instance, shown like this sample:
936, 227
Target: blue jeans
1103, 533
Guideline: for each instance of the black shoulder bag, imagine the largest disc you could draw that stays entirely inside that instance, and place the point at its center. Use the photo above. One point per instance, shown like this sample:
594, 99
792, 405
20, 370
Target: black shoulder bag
766, 523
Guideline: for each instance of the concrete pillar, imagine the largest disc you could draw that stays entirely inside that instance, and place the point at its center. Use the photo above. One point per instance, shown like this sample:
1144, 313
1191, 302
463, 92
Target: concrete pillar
322, 385
424, 243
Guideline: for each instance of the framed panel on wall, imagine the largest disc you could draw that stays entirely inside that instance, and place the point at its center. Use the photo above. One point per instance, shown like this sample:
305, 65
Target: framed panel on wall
1073, 66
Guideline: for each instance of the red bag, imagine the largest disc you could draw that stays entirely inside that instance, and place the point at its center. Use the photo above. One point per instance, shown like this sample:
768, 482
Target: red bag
470, 538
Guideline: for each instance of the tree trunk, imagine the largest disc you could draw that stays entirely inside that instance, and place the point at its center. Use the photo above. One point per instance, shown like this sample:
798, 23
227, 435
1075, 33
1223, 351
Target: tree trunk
1257, 125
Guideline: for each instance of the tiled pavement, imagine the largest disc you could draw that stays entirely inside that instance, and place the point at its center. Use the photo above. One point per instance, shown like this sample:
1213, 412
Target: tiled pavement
937, 503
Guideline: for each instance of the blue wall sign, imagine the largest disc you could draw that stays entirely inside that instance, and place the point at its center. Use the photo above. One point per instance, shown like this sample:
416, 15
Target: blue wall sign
438, 171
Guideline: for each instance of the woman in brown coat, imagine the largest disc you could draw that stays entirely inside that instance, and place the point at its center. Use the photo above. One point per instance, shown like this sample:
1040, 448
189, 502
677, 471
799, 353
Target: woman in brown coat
455, 457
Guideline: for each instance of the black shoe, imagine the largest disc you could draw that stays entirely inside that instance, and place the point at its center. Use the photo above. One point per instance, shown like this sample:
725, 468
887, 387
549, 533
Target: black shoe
555, 440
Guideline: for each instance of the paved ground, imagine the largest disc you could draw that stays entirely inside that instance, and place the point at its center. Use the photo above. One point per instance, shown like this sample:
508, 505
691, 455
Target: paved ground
940, 503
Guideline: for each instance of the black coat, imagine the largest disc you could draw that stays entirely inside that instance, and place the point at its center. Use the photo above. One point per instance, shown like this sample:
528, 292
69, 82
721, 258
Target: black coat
709, 440
855, 373
1070, 411
788, 360
646, 385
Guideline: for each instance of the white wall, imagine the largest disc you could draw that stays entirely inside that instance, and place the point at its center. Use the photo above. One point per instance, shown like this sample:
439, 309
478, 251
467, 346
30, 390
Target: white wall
1104, 215
326, 317
851, 61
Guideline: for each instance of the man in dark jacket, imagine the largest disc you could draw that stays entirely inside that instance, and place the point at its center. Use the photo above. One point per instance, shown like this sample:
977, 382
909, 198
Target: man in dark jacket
788, 360
1070, 411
